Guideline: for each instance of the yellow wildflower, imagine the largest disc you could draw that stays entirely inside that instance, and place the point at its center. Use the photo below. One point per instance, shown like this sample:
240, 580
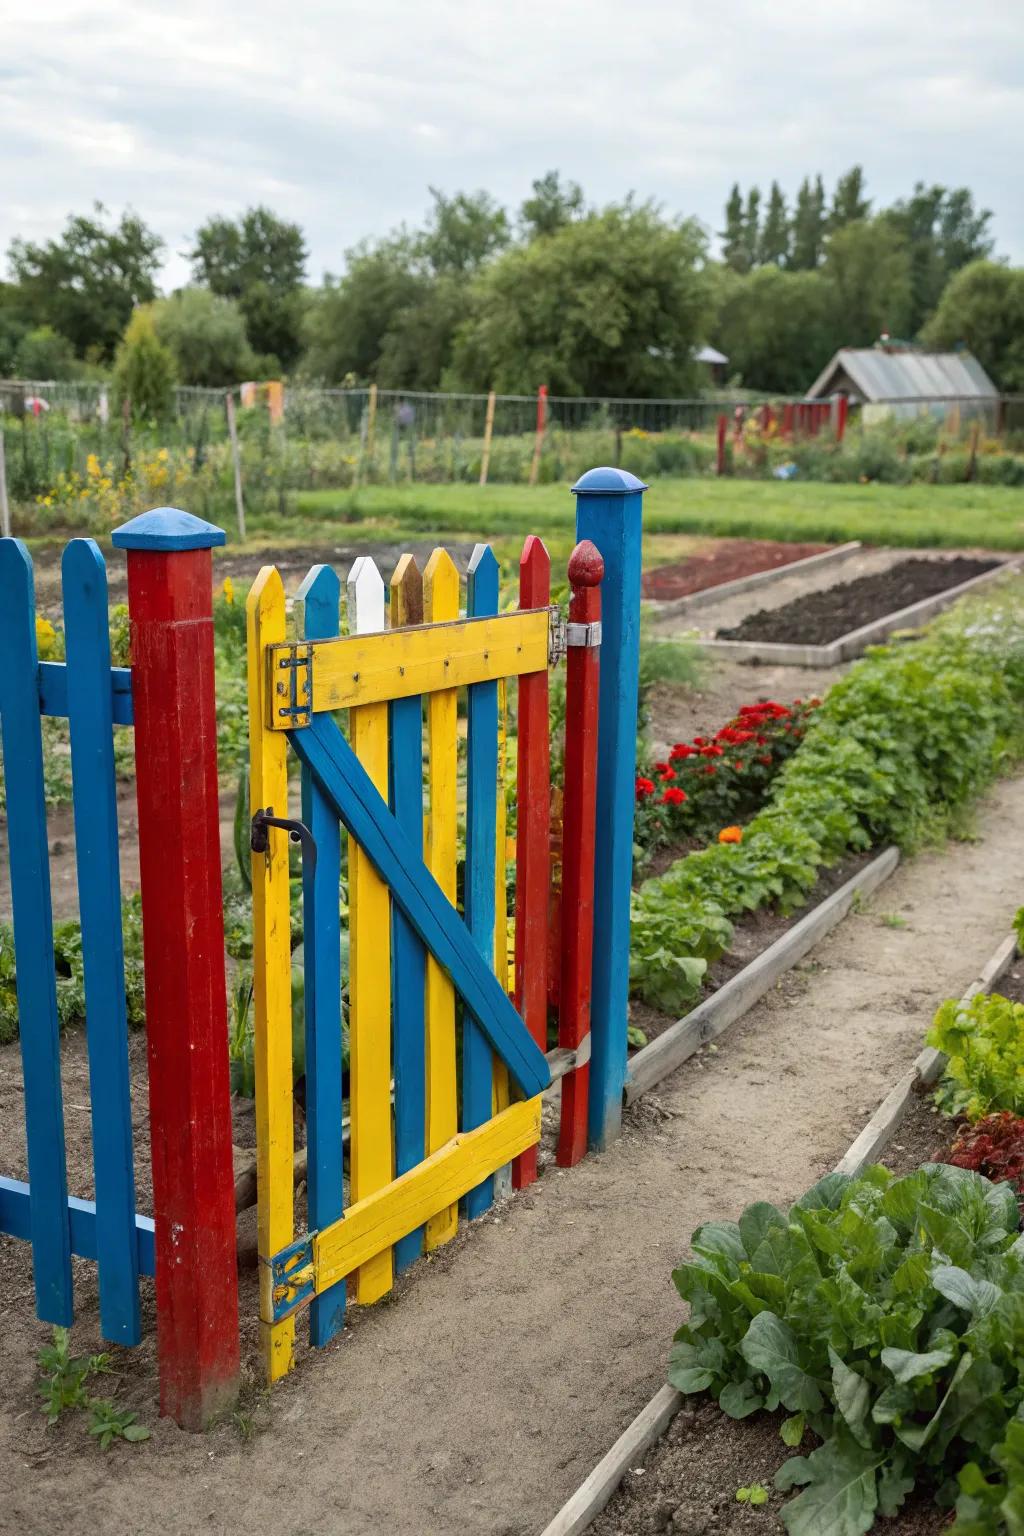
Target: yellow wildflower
92, 466
46, 636
228, 590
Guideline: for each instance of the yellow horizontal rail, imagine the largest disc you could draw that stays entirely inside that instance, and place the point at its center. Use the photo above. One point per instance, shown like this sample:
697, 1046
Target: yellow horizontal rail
400, 663
374, 1224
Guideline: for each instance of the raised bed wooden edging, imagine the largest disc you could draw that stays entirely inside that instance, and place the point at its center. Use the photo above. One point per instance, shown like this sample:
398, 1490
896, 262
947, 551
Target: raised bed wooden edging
680, 606
855, 641
711, 1017
580, 1510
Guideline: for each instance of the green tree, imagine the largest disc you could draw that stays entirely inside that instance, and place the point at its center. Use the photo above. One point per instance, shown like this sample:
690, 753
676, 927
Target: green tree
44, 353
609, 305
808, 242
14, 325
86, 283
777, 328
868, 267
351, 316
943, 231
206, 335
774, 241
982, 308
849, 205
463, 231
144, 372
751, 225
551, 205
733, 236
260, 261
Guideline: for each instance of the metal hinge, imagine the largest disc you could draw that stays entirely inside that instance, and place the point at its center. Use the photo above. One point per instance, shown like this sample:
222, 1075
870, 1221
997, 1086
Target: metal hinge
588, 635
557, 629
291, 685
293, 1277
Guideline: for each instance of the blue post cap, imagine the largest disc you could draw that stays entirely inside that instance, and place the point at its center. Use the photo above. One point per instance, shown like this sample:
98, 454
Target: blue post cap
607, 482
167, 528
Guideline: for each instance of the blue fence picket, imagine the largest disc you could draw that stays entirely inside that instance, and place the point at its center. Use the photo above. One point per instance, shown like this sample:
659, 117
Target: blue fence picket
320, 595
33, 935
408, 957
481, 808
90, 716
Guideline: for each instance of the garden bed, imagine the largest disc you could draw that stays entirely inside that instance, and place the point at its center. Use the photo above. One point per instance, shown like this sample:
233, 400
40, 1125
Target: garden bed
818, 618
729, 560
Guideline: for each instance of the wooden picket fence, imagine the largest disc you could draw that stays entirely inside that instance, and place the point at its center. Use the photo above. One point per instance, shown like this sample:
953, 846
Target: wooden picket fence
424, 1127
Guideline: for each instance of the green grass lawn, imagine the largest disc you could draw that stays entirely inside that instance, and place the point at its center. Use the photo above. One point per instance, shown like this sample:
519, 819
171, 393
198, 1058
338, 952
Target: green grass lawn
912, 515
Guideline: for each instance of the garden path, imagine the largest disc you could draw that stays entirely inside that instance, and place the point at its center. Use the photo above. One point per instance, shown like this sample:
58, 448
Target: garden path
481, 1397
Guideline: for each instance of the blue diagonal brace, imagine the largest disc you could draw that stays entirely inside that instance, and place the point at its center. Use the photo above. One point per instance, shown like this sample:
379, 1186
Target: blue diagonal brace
348, 787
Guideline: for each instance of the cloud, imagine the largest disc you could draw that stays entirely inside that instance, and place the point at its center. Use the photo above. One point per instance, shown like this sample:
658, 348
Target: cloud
341, 114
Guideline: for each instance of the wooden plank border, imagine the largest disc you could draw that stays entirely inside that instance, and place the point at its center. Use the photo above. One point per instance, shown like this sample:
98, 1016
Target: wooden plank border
738, 995
580, 1510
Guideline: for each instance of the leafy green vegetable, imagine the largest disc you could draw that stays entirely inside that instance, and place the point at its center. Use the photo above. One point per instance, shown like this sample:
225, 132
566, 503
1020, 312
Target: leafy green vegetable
888, 1315
984, 1043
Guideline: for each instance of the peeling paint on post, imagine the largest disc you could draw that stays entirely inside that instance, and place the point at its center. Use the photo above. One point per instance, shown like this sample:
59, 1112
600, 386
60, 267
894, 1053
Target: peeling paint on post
171, 610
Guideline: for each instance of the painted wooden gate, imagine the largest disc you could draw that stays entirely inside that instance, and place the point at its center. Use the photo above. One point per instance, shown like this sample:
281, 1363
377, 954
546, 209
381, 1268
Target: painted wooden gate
427, 1127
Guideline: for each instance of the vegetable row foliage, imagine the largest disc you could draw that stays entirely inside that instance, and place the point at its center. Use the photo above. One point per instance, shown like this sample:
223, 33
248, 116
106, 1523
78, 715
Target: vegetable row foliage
901, 745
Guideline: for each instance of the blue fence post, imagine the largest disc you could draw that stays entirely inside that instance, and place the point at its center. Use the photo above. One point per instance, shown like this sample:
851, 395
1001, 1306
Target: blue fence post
320, 595
609, 512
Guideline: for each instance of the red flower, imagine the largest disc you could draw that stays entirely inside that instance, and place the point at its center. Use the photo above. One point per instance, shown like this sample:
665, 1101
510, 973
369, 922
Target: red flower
738, 765
644, 787
710, 768
680, 751
711, 751
668, 774
698, 741
674, 796
762, 741
766, 758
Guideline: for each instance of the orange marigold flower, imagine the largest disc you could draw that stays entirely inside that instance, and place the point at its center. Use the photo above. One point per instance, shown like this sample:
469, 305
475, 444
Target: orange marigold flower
731, 835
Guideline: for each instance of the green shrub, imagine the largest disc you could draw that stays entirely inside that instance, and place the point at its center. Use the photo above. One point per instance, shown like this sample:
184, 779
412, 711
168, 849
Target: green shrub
886, 1315
984, 1043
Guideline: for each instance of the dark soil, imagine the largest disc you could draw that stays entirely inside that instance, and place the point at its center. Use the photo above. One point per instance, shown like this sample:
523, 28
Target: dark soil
817, 618
1011, 984
752, 935
728, 561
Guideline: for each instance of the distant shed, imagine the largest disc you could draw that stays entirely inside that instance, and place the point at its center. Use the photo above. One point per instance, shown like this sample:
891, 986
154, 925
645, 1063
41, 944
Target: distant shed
905, 383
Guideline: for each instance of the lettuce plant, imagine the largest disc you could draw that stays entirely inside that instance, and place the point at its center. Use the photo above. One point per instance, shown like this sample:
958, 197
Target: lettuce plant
984, 1044
887, 1316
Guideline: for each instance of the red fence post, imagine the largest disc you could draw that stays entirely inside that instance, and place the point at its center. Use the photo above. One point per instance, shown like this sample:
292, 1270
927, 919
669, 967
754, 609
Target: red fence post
533, 786
582, 683
720, 445
170, 606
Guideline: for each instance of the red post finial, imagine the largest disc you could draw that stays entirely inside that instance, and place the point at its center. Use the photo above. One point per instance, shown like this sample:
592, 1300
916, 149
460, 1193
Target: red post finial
586, 567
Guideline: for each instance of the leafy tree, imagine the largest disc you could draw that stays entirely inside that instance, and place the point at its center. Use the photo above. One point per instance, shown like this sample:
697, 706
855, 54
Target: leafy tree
849, 205
983, 308
259, 260
778, 328
868, 267
808, 226
609, 305
14, 324
733, 236
943, 232
463, 231
144, 372
551, 206
351, 316
773, 245
751, 225
44, 353
206, 335
86, 283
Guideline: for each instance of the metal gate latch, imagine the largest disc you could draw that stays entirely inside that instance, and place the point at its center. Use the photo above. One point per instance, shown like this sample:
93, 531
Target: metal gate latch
298, 832
588, 635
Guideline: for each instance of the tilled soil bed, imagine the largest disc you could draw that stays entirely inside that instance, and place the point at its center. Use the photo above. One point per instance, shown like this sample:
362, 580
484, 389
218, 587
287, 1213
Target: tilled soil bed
729, 560
817, 618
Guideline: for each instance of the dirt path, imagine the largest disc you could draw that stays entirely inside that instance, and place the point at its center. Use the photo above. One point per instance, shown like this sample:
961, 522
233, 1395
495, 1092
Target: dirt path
481, 1398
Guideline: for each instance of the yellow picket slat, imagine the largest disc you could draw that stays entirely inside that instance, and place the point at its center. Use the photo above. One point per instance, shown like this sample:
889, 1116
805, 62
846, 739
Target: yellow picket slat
272, 998
501, 1093
369, 669
372, 1159
440, 603
372, 1226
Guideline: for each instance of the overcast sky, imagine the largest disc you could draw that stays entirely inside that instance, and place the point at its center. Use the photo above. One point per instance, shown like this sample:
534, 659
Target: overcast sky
339, 114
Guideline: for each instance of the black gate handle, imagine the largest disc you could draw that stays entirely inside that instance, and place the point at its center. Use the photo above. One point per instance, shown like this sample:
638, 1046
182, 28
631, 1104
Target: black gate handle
297, 831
